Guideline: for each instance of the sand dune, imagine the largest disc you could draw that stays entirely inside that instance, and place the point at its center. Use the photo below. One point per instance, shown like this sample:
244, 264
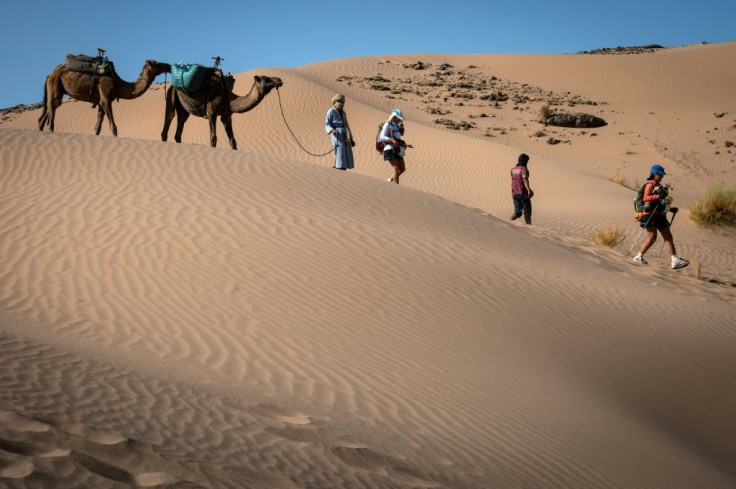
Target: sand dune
180, 316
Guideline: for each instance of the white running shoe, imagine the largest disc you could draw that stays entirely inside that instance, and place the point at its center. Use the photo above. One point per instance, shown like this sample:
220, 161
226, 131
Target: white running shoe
678, 262
640, 259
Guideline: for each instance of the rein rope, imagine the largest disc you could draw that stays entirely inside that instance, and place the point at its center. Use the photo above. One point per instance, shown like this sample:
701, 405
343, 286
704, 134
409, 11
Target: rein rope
292, 132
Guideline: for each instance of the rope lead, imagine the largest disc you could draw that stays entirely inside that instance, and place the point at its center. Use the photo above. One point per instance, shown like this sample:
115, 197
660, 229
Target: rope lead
292, 132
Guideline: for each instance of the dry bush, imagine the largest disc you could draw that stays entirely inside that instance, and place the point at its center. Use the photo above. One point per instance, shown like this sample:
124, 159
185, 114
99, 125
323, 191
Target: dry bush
545, 112
717, 208
611, 236
619, 179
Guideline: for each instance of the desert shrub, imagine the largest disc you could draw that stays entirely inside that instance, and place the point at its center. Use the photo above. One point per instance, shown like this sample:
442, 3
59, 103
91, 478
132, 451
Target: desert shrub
619, 179
545, 112
717, 208
610, 236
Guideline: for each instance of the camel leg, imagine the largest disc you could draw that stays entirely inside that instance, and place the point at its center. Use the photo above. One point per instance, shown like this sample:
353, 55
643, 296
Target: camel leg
181, 117
227, 121
100, 117
168, 114
54, 91
43, 119
213, 130
108, 112
54, 103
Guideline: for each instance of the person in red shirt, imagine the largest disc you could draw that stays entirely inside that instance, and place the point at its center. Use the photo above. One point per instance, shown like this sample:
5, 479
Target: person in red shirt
656, 205
521, 192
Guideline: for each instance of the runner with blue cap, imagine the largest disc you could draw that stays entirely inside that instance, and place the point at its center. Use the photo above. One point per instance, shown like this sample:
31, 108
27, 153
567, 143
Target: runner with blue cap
656, 205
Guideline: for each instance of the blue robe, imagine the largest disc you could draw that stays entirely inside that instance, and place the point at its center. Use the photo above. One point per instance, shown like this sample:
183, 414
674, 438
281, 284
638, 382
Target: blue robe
341, 143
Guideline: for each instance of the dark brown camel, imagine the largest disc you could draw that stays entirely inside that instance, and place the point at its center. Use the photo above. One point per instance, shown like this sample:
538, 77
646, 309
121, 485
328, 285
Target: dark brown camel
106, 89
211, 101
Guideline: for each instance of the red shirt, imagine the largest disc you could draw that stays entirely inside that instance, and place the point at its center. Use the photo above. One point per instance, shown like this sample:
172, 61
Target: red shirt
518, 174
653, 198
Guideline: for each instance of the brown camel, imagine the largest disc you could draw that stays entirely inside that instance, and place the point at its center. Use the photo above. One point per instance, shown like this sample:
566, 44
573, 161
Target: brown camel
106, 89
212, 100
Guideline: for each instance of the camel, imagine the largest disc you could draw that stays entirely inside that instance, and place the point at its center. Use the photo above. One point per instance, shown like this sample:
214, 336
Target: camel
107, 88
214, 100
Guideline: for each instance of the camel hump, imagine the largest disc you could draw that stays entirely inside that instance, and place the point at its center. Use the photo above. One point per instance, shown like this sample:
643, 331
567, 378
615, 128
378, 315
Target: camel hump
90, 65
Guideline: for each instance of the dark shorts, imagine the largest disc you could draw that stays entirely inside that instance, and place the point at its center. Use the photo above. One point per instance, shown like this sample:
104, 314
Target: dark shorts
658, 221
392, 154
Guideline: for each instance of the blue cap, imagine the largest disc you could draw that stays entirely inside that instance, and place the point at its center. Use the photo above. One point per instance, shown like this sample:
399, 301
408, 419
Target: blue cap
397, 113
657, 169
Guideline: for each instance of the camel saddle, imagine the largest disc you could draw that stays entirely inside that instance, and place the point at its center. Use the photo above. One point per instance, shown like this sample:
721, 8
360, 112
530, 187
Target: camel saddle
90, 65
192, 77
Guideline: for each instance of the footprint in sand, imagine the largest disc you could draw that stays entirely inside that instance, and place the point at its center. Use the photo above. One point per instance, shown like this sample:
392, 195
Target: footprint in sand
16, 422
93, 435
15, 469
112, 472
299, 419
31, 449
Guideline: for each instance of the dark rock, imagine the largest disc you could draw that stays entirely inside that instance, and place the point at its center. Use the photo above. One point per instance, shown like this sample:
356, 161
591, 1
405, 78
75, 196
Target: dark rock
382, 88
495, 96
574, 120
417, 66
454, 125
729, 144
553, 141
437, 111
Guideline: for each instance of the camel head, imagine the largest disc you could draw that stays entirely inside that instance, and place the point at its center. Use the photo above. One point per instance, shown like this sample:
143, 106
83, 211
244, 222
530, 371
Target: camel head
267, 83
156, 68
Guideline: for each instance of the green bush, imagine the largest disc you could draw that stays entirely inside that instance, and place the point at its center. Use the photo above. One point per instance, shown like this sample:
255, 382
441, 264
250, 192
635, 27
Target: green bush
717, 208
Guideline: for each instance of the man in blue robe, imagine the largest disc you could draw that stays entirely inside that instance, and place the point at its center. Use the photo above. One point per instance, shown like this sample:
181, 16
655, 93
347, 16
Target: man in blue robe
336, 125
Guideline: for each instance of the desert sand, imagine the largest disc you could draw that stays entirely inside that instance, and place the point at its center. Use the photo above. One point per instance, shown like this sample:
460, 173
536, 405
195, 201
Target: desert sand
181, 316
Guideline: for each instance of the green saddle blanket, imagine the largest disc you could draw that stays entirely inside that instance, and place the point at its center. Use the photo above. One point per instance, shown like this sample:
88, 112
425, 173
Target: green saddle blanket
194, 76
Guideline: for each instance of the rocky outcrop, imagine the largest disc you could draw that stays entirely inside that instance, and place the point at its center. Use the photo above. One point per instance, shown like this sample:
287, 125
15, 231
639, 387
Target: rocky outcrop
649, 48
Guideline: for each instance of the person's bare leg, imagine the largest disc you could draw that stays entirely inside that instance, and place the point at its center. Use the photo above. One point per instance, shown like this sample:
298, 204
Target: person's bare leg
668, 240
397, 172
649, 241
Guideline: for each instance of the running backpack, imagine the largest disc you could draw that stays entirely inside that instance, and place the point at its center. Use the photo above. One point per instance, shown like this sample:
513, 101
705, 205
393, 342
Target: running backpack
379, 144
639, 202
640, 207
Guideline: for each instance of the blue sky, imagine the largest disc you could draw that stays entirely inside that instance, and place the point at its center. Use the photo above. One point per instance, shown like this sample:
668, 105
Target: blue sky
37, 34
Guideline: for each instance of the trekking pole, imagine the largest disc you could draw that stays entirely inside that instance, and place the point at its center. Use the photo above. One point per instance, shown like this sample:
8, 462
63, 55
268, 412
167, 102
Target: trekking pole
636, 240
